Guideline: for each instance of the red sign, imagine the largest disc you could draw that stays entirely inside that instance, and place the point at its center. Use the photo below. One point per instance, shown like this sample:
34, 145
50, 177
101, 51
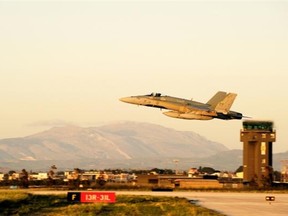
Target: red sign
107, 197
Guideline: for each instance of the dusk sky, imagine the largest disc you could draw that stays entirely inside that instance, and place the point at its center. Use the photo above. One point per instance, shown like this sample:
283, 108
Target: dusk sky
70, 62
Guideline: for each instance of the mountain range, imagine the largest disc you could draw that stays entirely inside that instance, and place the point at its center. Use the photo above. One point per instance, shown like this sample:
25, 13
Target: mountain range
130, 145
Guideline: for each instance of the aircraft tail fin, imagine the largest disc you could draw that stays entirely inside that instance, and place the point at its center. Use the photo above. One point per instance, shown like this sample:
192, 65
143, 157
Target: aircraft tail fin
225, 105
216, 99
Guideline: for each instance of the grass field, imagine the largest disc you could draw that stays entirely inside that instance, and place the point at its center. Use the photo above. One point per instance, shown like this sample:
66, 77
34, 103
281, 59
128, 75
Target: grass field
23, 203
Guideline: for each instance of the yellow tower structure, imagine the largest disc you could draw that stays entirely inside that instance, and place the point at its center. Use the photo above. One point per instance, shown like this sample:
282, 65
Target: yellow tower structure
257, 138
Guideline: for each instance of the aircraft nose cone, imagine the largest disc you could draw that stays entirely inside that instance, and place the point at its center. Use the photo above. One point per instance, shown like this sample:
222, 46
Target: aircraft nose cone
127, 99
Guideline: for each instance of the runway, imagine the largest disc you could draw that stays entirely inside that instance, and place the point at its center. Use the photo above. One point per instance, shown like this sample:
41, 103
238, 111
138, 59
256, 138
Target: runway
228, 203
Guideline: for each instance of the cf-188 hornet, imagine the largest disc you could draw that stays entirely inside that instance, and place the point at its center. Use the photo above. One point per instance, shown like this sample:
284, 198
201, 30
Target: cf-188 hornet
217, 107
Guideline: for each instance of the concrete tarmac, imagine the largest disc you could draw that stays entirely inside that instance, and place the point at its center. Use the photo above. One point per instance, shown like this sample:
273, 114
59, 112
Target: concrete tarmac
231, 203
228, 203
252, 204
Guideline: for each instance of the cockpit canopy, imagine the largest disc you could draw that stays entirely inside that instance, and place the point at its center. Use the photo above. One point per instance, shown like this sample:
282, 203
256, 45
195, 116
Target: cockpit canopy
153, 94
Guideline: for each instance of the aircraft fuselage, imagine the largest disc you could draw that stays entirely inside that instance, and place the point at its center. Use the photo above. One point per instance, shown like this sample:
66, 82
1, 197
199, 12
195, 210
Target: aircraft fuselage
181, 108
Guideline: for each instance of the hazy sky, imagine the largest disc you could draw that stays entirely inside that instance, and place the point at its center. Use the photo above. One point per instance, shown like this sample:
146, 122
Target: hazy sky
69, 63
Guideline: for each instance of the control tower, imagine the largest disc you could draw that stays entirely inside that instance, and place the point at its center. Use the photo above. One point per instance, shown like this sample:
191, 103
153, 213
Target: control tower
257, 138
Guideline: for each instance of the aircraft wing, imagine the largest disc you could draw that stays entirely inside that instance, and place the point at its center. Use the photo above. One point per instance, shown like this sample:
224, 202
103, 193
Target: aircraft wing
198, 107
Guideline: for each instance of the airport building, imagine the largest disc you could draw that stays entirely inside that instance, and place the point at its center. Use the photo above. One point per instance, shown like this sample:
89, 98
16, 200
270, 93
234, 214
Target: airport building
257, 138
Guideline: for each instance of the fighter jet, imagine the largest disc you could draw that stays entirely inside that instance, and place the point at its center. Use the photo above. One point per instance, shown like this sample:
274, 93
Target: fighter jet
217, 107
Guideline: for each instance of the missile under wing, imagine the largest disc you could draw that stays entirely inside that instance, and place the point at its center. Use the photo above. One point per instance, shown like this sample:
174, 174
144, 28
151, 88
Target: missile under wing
217, 107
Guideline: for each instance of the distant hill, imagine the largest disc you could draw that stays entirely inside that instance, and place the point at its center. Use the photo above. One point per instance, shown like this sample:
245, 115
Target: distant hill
232, 159
113, 142
121, 145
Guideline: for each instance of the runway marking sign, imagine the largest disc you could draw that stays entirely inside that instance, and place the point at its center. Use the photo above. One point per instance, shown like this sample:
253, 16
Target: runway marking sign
270, 199
91, 196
